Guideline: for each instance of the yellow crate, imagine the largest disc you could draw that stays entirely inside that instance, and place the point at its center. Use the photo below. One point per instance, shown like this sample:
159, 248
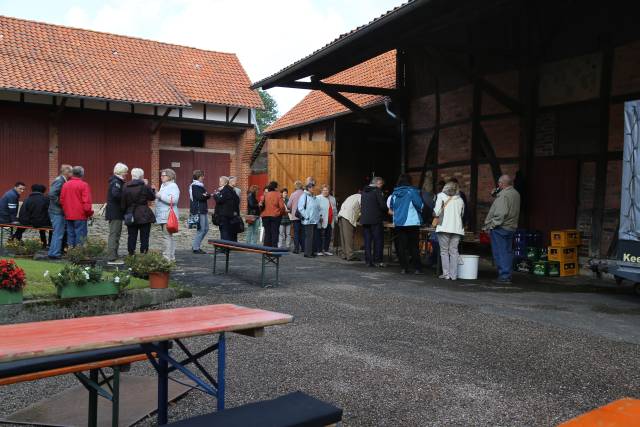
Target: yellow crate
567, 254
564, 238
568, 268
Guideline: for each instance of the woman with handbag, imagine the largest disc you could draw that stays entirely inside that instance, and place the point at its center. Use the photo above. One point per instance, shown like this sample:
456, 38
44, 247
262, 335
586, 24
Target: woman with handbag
138, 217
227, 213
198, 197
449, 228
254, 223
166, 200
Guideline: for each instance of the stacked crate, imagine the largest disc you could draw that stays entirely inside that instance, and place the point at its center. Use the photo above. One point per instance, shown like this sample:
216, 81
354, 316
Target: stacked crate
564, 251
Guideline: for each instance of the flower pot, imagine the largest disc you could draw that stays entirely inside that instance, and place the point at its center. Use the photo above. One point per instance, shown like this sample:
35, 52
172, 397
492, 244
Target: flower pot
88, 290
10, 297
158, 280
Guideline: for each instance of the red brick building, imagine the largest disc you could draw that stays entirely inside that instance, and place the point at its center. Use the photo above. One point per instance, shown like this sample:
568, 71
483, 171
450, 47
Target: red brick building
93, 99
489, 87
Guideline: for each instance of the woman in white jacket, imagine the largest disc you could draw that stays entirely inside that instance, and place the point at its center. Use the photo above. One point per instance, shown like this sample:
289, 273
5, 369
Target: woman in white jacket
328, 218
169, 193
450, 208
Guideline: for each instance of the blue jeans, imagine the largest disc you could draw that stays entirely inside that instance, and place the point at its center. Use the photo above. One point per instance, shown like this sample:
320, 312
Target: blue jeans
203, 229
502, 248
76, 232
253, 231
58, 224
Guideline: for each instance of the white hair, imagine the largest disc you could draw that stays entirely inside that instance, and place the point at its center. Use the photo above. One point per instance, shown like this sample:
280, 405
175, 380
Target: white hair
224, 179
137, 173
120, 169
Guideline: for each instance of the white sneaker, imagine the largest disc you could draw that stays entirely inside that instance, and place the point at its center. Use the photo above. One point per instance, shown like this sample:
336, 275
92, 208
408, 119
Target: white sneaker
320, 254
443, 276
328, 253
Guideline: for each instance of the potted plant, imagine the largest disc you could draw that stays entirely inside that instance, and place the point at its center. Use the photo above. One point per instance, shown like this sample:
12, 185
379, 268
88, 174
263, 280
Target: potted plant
87, 253
152, 265
12, 282
25, 248
75, 281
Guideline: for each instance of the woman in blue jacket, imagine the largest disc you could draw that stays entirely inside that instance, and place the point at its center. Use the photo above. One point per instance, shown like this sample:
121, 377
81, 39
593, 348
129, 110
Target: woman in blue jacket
406, 208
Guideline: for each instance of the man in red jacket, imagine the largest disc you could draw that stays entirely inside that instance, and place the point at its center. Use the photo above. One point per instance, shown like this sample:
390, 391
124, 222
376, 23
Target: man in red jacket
75, 199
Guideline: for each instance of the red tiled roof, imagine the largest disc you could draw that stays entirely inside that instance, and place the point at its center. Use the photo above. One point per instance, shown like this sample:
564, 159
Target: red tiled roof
54, 59
378, 72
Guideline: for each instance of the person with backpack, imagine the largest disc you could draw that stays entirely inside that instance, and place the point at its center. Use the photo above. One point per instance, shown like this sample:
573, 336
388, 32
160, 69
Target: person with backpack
166, 196
449, 213
406, 207
138, 216
198, 197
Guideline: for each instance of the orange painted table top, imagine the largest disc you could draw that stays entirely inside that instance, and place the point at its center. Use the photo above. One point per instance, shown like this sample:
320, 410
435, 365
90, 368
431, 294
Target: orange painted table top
621, 413
35, 339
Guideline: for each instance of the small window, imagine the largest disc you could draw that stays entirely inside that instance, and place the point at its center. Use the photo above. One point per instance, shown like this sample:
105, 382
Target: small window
191, 138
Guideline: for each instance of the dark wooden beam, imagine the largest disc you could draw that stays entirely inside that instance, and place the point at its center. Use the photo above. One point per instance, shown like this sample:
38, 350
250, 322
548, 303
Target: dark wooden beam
459, 163
355, 108
603, 147
235, 115
316, 85
160, 122
431, 152
489, 154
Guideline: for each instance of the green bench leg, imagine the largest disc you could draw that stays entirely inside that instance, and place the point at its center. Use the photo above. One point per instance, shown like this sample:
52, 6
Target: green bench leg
93, 400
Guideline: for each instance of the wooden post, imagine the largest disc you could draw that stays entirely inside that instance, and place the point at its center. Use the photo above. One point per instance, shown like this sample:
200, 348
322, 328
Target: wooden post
603, 147
476, 112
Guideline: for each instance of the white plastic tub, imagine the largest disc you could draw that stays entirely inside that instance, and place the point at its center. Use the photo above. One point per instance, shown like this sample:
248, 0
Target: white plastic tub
468, 267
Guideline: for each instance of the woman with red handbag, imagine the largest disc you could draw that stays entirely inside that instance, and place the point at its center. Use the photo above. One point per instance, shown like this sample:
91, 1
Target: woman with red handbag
167, 202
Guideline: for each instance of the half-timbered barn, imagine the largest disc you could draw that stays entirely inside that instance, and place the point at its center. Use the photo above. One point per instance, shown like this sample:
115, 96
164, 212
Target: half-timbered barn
486, 87
93, 99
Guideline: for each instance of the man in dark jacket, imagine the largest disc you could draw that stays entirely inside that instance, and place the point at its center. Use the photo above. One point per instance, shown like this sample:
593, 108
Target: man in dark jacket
9, 205
35, 212
227, 210
373, 211
114, 212
199, 197
56, 215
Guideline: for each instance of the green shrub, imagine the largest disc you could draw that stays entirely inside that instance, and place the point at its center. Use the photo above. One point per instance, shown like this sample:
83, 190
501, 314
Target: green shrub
89, 250
151, 262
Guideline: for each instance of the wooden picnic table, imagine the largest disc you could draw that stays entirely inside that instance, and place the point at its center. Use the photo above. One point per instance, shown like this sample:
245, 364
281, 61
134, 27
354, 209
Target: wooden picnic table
153, 330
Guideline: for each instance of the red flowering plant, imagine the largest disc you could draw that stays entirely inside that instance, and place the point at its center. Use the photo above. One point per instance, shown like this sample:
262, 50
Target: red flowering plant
12, 277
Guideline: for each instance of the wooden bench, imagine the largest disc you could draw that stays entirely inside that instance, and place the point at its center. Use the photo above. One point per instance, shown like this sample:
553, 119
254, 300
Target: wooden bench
118, 359
24, 227
291, 410
269, 255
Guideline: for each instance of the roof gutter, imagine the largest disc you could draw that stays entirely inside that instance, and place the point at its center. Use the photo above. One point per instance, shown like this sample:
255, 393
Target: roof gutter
327, 51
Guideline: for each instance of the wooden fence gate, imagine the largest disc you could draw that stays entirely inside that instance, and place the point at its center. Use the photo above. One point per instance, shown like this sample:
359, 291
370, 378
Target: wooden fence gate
291, 160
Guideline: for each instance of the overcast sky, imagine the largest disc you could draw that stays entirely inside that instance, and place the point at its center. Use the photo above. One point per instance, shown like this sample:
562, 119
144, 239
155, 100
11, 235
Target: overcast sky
267, 35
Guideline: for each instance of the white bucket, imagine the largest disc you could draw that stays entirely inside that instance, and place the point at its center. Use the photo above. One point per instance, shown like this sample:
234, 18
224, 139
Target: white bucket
468, 267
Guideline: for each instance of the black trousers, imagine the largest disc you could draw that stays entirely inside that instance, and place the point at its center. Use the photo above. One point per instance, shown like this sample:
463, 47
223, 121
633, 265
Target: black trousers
407, 246
323, 239
43, 236
373, 243
228, 231
132, 236
309, 232
298, 235
271, 226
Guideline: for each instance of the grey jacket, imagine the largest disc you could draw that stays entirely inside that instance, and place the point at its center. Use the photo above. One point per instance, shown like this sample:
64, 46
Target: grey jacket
504, 211
54, 196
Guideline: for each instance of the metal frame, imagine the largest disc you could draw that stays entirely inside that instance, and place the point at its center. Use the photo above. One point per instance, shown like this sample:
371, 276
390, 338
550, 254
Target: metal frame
93, 384
167, 364
267, 258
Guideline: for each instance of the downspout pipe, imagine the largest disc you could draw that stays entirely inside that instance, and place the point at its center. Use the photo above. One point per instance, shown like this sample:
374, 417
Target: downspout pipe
403, 134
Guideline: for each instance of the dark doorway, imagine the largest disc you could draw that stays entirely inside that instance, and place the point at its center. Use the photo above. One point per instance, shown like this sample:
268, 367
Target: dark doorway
553, 195
184, 163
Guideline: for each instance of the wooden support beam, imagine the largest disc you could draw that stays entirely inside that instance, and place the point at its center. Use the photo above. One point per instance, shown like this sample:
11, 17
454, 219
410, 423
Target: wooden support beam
603, 147
235, 115
489, 154
476, 112
459, 69
162, 120
432, 150
355, 108
317, 85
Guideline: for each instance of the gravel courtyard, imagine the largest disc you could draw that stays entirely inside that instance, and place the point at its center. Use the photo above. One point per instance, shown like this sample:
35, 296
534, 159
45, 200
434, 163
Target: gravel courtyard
413, 350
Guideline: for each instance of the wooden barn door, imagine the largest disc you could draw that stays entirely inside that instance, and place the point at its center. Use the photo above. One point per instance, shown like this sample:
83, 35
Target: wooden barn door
291, 160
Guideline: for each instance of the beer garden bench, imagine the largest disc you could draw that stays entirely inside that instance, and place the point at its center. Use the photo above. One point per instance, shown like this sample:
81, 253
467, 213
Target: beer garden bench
269, 254
24, 227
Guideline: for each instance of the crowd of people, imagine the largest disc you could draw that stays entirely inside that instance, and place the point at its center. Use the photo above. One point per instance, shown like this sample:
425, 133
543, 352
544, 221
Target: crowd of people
303, 221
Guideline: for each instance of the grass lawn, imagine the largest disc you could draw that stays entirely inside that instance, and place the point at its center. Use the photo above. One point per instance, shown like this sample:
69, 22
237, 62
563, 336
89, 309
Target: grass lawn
39, 286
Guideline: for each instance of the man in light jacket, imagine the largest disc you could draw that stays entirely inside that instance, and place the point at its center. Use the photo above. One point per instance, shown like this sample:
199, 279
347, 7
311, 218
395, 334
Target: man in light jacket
56, 214
347, 222
310, 211
501, 222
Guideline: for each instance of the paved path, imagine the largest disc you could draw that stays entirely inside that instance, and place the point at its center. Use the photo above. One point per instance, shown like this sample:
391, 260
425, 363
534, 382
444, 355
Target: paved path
414, 350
